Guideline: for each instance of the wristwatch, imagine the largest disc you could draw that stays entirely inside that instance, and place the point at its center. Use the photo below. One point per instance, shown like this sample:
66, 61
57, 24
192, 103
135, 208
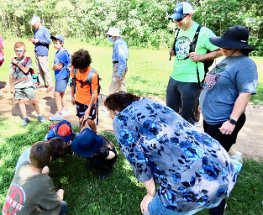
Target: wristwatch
232, 121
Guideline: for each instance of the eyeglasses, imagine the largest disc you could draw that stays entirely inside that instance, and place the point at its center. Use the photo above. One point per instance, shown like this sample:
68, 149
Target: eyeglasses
18, 50
181, 19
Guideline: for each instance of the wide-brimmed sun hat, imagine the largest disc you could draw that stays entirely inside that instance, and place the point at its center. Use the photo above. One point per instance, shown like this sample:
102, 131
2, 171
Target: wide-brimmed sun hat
114, 32
87, 143
181, 9
35, 20
235, 37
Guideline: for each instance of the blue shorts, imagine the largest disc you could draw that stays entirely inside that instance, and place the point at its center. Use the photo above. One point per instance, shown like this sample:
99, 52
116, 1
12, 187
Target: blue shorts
61, 85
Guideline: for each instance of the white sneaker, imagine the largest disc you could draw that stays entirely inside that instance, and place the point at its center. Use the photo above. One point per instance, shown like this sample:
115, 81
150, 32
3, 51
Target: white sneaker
65, 112
56, 117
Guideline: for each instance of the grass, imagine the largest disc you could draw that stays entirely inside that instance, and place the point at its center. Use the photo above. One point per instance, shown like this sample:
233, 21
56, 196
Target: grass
148, 70
120, 193
148, 75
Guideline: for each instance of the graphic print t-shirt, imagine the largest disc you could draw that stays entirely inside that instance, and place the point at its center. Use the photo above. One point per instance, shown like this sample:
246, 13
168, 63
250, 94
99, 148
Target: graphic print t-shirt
184, 68
34, 195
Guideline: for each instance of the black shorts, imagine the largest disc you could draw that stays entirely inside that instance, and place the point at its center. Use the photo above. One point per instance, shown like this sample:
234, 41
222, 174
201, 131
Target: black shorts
81, 108
225, 140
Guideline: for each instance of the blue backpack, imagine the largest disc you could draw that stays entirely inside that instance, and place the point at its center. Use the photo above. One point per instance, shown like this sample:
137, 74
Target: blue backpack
61, 129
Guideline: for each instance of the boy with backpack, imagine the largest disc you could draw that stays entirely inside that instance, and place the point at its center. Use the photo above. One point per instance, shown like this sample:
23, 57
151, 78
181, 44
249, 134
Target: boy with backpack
60, 67
32, 192
21, 82
85, 87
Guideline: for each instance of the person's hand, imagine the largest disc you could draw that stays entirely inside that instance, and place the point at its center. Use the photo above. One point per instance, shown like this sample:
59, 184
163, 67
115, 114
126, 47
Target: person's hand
172, 53
86, 116
73, 100
194, 57
145, 202
12, 90
45, 170
14, 61
60, 194
35, 41
227, 128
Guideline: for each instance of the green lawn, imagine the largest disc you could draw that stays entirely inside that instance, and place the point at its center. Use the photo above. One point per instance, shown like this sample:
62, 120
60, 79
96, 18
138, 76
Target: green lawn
148, 70
120, 194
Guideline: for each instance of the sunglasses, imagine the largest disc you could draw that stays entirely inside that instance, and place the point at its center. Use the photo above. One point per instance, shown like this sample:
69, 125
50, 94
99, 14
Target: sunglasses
19, 51
181, 19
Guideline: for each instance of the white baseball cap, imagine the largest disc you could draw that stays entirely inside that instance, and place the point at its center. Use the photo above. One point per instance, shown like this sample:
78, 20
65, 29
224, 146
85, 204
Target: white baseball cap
34, 20
114, 32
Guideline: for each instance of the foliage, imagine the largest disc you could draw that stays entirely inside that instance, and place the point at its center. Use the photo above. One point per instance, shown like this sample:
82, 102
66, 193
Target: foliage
144, 23
120, 193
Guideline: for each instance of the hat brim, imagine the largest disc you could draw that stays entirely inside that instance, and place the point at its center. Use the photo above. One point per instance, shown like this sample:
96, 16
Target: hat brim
229, 44
81, 151
176, 16
56, 38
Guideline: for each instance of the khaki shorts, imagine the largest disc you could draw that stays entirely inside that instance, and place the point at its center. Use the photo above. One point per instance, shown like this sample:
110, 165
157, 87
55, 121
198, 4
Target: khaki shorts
25, 93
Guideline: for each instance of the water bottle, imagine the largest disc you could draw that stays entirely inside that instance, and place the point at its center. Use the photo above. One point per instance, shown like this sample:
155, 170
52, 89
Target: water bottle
237, 161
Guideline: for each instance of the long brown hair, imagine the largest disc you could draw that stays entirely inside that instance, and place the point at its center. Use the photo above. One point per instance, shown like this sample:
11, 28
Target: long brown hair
119, 101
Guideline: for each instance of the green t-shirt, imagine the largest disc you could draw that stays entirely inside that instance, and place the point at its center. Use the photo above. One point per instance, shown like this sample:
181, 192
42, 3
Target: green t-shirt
31, 194
184, 69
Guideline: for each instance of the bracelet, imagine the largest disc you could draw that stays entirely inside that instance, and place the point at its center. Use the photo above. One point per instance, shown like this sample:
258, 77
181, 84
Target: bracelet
232, 121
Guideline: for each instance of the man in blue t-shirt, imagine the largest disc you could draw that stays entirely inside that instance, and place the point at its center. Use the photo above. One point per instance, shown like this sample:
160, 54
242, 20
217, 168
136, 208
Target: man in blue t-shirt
41, 41
60, 66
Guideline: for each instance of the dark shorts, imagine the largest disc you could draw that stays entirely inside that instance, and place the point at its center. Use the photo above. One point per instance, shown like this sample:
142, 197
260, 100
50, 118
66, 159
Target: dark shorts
61, 85
81, 108
225, 140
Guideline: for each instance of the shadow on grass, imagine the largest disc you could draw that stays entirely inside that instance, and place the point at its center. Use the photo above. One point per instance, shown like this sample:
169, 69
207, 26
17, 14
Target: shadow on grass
120, 194
84, 192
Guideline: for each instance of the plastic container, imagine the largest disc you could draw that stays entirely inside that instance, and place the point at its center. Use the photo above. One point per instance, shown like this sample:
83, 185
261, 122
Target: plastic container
237, 161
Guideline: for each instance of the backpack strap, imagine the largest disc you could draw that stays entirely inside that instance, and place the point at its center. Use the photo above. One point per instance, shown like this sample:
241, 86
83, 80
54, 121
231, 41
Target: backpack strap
192, 49
176, 36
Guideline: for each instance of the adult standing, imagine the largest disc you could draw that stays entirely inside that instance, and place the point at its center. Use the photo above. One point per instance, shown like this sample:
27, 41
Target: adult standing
182, 169
2, 57
183, 89
228, 88
41, 41
119, 60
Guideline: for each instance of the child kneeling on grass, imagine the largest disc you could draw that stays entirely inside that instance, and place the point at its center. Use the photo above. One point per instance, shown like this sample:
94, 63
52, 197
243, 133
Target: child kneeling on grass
32, 192
21, 82
99, 152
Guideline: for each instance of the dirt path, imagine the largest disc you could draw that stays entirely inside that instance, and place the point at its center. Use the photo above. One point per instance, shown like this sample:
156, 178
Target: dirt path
250, 139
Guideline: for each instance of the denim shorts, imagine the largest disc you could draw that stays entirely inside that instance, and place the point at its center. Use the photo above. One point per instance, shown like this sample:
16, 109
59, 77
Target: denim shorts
156, 207
61, 85
25, 93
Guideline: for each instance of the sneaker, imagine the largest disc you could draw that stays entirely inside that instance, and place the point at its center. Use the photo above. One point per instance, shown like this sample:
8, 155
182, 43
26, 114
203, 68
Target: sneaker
56, 117
65, 112
41, 119
25, 121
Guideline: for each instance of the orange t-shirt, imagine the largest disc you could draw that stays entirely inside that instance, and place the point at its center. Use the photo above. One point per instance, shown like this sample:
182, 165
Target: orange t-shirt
82, 94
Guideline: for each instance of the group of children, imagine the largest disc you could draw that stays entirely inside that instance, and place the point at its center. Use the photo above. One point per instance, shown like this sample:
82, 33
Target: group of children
32, 190
84, 87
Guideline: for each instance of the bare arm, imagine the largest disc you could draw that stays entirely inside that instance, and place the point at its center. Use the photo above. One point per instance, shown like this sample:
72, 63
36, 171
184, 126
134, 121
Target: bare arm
151, 191
58, 66
209, 56
24, 69
239, 108
11, 83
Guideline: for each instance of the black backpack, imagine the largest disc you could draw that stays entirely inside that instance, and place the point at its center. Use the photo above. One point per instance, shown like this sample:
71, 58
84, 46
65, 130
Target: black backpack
206, 63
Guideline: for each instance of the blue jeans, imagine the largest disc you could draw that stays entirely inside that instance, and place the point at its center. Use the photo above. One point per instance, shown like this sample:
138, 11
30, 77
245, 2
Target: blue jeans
63, 208
156, 207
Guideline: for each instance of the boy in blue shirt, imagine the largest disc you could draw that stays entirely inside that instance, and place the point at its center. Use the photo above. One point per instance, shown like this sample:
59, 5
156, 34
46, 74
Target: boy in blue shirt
60, 66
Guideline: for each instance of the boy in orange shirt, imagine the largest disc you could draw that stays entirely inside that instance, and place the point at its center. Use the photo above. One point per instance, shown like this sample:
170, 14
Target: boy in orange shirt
85, 85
